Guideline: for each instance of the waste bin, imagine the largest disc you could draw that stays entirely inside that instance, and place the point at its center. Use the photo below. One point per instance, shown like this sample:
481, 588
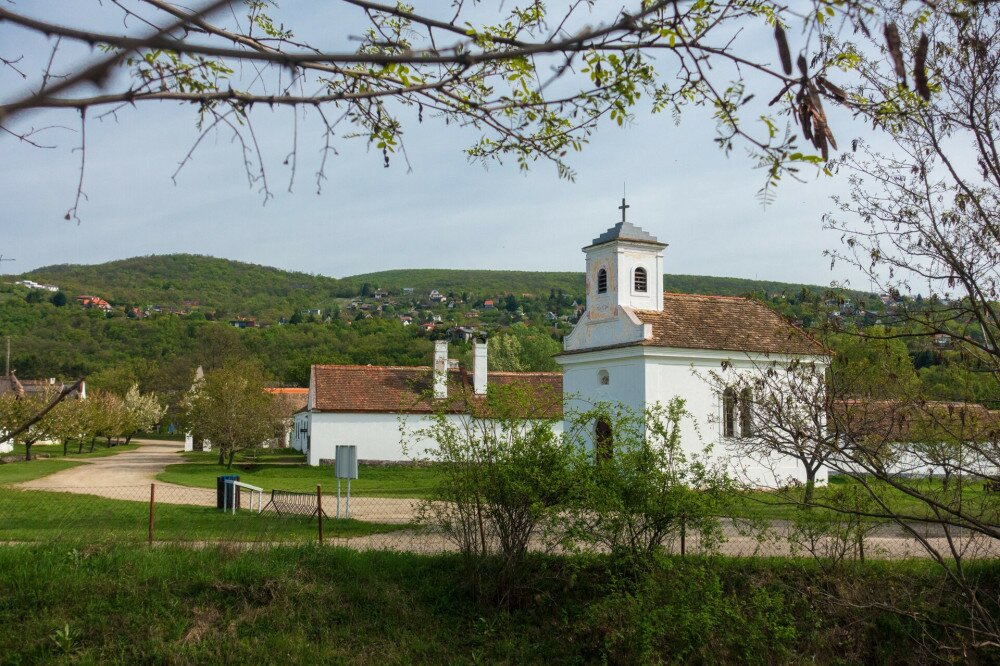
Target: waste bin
223, 486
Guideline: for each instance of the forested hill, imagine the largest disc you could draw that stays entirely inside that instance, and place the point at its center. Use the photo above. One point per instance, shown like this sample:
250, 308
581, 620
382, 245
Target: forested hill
232, 288
540, 283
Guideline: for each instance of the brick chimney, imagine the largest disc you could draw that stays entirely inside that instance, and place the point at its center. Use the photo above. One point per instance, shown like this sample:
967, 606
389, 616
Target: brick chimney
441, 369
479, 376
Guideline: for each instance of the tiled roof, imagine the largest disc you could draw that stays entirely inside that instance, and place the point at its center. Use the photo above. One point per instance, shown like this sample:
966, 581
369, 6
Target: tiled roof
628, 232
292, 399
901, 420
726, 323
33, 386
395, 389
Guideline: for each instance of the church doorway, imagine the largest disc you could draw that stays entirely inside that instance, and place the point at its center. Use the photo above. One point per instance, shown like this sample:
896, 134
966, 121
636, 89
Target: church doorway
604, 440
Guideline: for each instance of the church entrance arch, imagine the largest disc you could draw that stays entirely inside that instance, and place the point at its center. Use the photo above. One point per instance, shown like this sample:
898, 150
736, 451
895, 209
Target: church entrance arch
604, 440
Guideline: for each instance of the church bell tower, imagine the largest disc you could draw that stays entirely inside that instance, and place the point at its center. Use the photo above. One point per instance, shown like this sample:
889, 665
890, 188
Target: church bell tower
624, 269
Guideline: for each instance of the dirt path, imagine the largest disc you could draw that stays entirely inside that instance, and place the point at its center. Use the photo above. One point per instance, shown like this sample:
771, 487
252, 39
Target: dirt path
127, 476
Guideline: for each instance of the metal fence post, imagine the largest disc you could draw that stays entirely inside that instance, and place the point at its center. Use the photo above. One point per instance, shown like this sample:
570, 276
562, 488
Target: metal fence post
319, 511
152, 508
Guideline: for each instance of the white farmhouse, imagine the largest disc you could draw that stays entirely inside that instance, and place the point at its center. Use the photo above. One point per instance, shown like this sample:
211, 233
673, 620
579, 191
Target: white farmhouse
382, 408
638, 346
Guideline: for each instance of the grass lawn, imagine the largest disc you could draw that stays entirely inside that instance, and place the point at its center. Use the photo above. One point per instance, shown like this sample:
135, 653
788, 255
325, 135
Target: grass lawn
201, 471
299, 605
18, 472
56, 450
34, 515
782, 506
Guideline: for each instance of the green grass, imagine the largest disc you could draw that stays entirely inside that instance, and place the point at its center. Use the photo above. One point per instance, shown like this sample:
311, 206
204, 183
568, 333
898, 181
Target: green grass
56, 450
34, 515
785, 505
373, 481
331, 605
19, 472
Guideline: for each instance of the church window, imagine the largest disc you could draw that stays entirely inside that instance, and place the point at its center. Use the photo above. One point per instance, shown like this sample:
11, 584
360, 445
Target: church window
602, 281
640, 280
746, 412
729, 412
603, 377
604, 441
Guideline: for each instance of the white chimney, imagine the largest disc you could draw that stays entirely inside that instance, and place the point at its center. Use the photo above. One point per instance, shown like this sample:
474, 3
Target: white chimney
479, 367
441, 369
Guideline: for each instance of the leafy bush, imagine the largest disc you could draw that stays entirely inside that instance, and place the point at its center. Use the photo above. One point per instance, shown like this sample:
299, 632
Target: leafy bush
648, 493
507, 484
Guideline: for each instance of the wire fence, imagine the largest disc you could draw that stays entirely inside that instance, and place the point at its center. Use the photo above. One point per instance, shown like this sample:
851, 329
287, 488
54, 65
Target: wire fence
158, 514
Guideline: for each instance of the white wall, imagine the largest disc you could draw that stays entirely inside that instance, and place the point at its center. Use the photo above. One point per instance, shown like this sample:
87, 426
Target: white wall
642, 376
377, 435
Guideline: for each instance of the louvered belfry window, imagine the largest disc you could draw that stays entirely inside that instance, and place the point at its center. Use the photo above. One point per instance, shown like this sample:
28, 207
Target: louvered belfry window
640, 279
602, 281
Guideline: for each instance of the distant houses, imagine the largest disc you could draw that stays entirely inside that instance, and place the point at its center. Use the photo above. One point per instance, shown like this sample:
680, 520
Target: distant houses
94, 302
31, 284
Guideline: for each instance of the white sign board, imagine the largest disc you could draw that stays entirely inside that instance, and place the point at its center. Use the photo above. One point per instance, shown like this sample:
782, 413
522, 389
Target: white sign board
347, 461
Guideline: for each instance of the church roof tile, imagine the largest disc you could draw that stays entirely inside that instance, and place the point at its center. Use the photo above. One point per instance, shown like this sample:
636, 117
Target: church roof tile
726, 323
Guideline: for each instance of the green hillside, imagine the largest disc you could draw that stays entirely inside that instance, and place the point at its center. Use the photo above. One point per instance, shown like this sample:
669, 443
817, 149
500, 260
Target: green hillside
228, 287
171, 313
540, 283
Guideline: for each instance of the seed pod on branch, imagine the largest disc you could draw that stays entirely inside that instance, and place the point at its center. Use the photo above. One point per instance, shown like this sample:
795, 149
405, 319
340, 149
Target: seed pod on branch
836, 91
920, 68
783, 52
894, 44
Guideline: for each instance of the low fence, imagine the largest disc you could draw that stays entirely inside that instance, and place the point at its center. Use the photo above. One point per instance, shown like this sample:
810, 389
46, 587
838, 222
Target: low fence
169, 514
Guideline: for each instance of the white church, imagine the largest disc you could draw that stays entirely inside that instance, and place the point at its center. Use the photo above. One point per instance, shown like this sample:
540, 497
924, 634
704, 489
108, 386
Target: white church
634, 345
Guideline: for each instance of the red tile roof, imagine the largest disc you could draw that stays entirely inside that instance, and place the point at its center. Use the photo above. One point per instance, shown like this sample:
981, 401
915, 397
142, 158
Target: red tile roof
395, 389
725, 323
292, 399
728, 323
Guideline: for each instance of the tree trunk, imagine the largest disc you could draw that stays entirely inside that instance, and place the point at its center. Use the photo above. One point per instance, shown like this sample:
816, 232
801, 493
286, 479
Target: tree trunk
79, 449
222, 456
27, 450
810, 484
65, 447
232, 454
93, 441
108, 437
128, 438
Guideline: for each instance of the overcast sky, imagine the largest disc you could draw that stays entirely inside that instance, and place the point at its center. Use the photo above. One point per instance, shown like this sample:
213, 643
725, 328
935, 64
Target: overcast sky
445, 213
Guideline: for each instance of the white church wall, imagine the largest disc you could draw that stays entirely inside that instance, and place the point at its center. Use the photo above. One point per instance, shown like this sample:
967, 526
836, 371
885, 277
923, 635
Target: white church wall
639, 377
377, 435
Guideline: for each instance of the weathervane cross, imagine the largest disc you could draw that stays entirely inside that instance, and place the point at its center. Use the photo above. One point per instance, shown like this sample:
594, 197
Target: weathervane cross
623, 207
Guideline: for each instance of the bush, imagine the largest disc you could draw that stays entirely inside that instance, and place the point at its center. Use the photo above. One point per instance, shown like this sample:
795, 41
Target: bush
508, 483
649, 493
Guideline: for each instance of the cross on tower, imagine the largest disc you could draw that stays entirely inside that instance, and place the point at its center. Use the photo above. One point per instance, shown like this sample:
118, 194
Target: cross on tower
623, 207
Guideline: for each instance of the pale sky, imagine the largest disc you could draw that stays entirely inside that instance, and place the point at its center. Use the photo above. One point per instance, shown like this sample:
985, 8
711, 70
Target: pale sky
445, 213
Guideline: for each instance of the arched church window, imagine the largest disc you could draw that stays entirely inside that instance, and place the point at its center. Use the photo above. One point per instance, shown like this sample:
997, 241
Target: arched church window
729, 412
603, 377
603, 441
746, 412
602, 281
640, 280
